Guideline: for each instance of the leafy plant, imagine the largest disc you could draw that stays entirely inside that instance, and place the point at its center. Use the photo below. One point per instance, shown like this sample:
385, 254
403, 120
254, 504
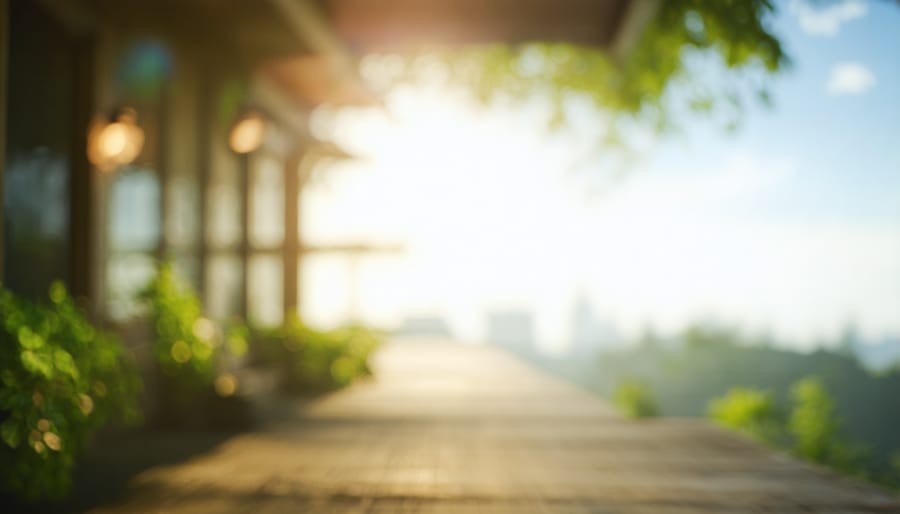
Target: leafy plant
816, 429
750, 411
184, 342
62, 379
312, 360
635, 400
186, 346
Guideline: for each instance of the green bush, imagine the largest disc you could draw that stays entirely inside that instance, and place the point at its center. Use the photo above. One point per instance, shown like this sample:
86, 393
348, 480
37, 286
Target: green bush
196, 390
635, 400
62, 379
313, 360
750, 411
816, 429
184, 341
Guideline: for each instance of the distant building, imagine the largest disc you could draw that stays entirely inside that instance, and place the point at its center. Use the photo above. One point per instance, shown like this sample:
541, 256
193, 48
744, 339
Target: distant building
512, 329
434, 326
588, 333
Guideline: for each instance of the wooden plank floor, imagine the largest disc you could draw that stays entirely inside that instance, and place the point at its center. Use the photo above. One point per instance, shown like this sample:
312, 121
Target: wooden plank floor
450, 428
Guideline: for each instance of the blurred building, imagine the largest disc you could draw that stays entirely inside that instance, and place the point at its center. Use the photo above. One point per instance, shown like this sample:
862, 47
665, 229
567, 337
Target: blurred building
512, 329
425, 325
589, 333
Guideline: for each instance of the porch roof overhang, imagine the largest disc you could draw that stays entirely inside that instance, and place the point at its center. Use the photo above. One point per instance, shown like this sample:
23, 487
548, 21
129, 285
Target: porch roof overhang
398, 25
308, 48
340, 31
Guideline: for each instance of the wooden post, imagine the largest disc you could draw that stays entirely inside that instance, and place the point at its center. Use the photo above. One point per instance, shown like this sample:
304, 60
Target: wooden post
244, 170
4, 52
163, 170
291, 232
204, 134
81, 191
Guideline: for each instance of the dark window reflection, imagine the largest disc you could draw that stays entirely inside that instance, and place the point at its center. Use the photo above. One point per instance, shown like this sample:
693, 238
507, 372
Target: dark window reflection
38, 161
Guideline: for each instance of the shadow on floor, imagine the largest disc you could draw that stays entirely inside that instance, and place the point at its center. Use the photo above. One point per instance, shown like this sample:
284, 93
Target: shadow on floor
103, 474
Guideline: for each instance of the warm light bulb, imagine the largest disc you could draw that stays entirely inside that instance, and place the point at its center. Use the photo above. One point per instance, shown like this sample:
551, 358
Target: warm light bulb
113, 139
115, 143
247, 134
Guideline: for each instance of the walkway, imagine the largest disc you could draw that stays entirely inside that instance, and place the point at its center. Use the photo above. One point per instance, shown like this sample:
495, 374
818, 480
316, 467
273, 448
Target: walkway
460, 429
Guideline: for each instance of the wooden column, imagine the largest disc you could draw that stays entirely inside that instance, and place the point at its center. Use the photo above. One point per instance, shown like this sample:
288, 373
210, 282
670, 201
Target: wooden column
203, 134
82, 223
291, 232
163, 171
244, 170
4, 53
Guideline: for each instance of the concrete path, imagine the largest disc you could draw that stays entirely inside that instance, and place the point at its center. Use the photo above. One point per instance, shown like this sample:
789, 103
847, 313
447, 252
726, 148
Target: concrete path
459, 429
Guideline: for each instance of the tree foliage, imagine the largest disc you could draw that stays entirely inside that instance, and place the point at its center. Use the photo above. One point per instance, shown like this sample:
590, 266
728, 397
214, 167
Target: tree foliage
748, 410
845, 417
812, 431
667, 73
635, 399
815, 428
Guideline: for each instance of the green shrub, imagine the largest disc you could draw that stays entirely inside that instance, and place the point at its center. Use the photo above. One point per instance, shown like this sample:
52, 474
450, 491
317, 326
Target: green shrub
816, 429
62, 379
635, 400
750, 411
313, 360
196, 390
184, 341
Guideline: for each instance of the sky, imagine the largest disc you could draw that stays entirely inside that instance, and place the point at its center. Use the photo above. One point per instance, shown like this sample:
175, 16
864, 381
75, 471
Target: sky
789, 226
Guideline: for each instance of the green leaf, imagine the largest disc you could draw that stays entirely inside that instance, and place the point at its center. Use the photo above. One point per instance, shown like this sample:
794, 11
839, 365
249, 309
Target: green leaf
12, 432
64, 363
29, 340
8, 378
37, 363
57, 292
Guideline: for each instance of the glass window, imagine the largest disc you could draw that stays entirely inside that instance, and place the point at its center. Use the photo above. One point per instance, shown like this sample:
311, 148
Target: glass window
224, 274
36, 217
223, 207
182, 192
134, 211
126, 275
265, 284
134, 231
187, 266
267, 202
39, 142
323, 285
182, 221
134, 199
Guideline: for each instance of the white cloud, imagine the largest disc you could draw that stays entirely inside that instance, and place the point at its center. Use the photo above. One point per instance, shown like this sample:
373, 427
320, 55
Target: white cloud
826, 21
850, 78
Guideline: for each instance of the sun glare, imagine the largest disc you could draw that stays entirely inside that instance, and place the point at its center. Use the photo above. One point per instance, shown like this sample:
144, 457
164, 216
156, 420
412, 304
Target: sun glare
491, 220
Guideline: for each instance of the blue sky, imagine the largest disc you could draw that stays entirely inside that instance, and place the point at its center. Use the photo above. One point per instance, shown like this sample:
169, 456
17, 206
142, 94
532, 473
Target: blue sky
790, 226
845, 146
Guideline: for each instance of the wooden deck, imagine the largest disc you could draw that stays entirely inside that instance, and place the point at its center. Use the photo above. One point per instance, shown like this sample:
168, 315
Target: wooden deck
450, 428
